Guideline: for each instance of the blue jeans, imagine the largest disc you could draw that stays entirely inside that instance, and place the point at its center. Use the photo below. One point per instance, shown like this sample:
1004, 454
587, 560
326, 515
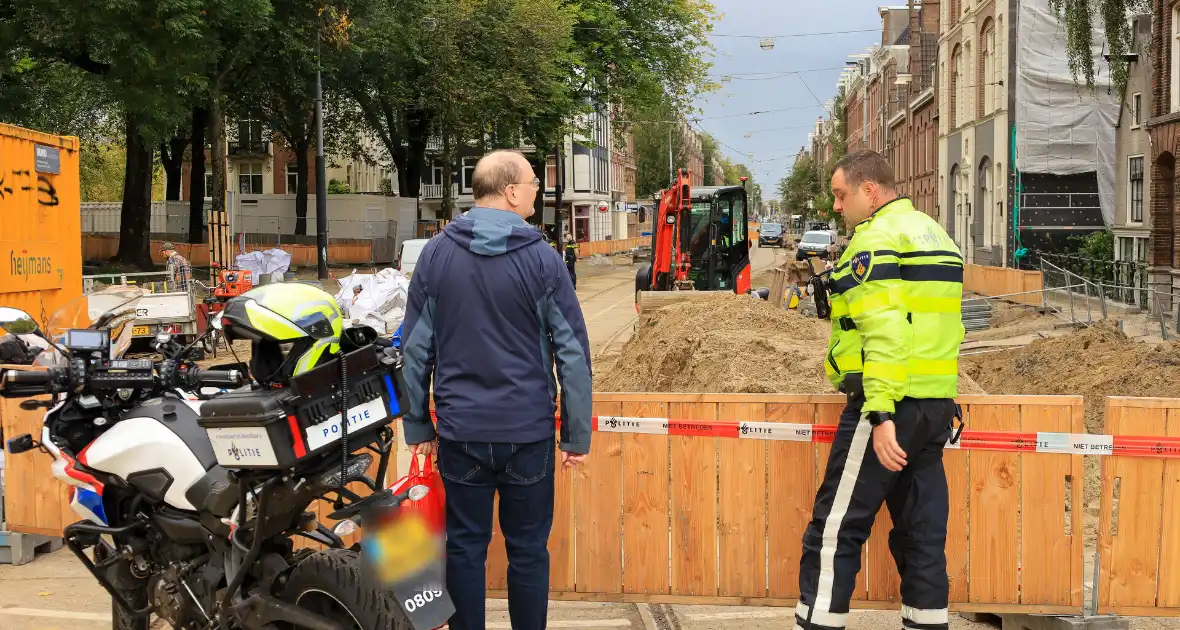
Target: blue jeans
473, 472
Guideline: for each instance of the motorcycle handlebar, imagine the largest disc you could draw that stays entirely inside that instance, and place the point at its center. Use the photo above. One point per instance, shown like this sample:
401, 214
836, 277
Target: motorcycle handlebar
219, 378
25, 383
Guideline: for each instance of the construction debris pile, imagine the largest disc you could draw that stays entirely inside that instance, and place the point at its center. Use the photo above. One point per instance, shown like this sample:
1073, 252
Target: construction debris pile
725, 343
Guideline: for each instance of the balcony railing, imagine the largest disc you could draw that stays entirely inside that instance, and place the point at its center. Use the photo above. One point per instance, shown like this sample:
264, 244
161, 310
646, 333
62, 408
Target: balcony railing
250, 147
432, 191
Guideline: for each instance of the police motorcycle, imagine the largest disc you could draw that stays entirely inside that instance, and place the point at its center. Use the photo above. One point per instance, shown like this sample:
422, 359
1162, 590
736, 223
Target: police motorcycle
191, 509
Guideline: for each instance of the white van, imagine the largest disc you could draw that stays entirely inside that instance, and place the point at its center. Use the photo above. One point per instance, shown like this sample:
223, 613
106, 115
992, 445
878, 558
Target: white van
407, 258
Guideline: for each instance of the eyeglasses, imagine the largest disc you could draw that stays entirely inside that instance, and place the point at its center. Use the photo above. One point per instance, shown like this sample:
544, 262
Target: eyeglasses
536, 181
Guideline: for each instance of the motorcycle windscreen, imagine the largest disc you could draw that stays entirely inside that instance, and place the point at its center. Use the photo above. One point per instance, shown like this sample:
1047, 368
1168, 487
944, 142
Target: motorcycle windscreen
111, 309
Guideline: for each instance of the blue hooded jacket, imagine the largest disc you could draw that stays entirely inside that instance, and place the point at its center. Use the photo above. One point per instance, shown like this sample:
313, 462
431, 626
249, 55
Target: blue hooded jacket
491, 309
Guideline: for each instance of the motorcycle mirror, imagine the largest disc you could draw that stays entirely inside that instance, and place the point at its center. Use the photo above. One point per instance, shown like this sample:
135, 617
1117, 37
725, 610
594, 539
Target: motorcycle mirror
17, 322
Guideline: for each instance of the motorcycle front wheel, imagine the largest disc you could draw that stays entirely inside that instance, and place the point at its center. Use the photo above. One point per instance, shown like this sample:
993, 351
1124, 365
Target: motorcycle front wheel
120, 618
332, 583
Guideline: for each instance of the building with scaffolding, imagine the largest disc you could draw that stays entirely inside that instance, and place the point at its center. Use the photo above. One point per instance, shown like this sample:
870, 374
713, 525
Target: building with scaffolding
1026, 156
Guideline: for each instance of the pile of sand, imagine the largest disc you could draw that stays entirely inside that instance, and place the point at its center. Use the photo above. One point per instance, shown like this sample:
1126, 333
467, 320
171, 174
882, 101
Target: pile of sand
726, 343
722, 343
1095, 362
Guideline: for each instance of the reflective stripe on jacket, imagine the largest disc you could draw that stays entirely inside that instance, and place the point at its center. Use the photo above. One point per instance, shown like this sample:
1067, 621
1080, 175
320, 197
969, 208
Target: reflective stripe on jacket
896, 298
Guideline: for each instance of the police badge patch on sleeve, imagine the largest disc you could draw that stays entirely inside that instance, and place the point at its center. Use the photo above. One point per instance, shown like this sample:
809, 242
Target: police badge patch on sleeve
860, 265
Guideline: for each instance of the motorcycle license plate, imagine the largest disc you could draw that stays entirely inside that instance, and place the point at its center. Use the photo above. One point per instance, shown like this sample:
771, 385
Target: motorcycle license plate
408, 559
141, 331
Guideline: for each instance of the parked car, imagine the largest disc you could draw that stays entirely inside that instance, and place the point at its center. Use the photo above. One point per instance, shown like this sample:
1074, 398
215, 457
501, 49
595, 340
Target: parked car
815, 243
770, 234
407, 257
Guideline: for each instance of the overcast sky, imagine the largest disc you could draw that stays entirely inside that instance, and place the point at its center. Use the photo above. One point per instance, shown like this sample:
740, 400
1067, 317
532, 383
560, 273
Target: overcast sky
765, 84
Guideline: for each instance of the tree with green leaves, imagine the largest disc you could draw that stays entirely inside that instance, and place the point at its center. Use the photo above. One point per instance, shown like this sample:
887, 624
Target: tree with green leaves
153, 58
278, 89
1079, 17
799, 189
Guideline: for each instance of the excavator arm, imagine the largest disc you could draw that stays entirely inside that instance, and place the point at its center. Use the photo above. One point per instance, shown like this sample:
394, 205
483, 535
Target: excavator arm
670, 260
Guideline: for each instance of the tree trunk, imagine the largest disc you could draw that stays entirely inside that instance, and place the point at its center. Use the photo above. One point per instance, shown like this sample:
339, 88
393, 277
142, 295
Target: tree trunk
135, 218
196, 185
302, 167
448, 160
419, 133
172, 156
539, 159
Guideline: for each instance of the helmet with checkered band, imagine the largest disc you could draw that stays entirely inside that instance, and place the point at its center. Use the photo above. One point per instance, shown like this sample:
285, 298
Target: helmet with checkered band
293, 327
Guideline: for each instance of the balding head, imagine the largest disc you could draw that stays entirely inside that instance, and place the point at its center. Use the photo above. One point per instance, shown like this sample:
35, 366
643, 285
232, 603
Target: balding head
504, 180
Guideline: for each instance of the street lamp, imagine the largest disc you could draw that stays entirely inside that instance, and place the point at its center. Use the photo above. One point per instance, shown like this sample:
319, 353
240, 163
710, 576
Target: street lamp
726, 79
766, 43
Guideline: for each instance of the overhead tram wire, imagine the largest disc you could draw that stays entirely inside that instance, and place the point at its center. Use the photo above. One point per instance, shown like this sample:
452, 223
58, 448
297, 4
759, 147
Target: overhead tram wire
731, 35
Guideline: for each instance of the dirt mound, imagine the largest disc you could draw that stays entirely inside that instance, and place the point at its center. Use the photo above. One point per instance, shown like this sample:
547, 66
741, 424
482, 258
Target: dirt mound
725, 343
1095, 362
722, 343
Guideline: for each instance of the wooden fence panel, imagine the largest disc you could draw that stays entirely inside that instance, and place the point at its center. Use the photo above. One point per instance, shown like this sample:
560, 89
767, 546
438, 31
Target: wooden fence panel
694, 505
792, 489
992, 281
1139, 514
598, 508
35, 502
646, 483
742, 506
958, 554
561, 547
1051, 514
994, 509
1169, 587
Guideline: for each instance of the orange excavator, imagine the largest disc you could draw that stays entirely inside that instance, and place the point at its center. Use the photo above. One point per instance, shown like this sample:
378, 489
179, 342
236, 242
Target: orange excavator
700, 241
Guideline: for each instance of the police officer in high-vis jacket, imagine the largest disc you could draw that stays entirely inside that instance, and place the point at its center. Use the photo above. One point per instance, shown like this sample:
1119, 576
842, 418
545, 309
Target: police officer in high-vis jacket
895, 298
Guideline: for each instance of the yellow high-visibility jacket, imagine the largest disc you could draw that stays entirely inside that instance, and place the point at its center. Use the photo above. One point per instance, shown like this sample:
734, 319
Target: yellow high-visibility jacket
896, 297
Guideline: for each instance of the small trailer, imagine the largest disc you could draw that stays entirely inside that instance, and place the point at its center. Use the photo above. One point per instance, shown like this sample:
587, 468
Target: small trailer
161, 310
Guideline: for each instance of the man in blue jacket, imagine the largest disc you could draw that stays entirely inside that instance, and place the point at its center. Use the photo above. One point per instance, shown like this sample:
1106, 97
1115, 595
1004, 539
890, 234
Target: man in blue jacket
491, 311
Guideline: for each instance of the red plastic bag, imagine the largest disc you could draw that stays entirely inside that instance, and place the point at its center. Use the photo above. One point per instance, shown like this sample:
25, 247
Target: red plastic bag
433, 506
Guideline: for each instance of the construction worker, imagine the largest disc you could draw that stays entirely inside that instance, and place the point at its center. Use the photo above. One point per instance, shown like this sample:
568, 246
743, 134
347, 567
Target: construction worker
896, 329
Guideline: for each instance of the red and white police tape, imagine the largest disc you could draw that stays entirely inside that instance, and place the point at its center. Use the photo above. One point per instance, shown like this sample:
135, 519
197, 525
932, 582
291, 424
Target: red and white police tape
1039, 442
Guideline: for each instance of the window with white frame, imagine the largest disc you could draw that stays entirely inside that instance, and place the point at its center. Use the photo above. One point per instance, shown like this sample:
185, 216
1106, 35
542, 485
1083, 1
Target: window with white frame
468, 173
1136, 110
987, 53
998, 68
1174, 102
985, 194
250, 178
1135, 189
292, 179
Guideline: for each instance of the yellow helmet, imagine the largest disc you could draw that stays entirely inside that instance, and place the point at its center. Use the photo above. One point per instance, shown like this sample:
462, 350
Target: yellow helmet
293, 326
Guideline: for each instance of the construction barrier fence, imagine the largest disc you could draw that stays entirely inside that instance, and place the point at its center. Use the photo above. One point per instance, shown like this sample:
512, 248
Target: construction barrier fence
1004, 281
704, 498
606, 248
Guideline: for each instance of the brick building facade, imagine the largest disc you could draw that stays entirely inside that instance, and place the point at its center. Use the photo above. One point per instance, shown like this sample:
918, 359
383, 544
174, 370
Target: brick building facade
890, 102
1164, 127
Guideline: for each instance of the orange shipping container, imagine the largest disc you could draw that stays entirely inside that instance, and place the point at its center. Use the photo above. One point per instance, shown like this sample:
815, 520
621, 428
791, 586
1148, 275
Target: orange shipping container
40, 221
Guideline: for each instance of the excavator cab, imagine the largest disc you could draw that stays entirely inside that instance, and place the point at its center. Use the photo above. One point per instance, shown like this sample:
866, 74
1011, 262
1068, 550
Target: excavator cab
700, 240
719, 242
